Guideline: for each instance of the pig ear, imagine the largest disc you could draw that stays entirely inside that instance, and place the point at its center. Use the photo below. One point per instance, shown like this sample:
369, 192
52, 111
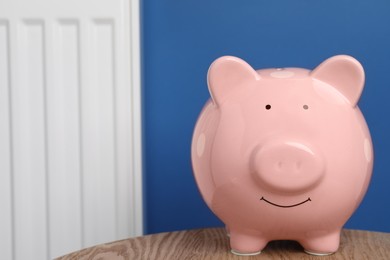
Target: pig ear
344, 73
227, 73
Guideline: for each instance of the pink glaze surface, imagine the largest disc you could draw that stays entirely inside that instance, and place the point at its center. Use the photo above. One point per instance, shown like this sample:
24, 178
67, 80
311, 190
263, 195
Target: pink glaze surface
283, 153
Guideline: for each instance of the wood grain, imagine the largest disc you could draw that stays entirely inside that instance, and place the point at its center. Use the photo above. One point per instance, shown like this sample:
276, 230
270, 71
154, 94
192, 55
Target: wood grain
212, 243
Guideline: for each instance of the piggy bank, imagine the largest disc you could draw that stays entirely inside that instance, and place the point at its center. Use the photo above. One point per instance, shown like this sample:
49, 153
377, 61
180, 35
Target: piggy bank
283, 153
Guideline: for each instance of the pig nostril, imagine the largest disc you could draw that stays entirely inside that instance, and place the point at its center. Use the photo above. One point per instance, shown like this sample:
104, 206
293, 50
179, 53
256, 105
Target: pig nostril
298, 165
279, 165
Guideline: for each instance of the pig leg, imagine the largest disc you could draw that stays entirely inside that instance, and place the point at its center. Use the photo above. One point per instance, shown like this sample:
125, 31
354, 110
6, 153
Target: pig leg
246, 244
325, 244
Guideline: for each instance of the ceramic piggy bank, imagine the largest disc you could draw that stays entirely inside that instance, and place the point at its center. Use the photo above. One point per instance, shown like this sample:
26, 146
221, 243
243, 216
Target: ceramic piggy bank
283, 154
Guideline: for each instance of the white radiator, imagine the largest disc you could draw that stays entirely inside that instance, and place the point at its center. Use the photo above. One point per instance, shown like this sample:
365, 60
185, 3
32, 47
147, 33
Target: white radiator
70, 125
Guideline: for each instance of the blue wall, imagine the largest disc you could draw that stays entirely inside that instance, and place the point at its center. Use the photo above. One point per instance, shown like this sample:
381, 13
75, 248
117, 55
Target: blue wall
182, 38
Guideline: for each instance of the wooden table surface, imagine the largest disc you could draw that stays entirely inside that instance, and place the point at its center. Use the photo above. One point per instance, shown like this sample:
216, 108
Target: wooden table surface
212, 243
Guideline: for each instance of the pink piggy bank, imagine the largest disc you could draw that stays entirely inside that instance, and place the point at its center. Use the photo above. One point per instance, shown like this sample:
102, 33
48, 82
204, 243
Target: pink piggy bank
283, 154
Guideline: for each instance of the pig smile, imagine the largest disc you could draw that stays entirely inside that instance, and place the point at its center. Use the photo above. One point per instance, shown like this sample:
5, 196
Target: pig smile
285, 206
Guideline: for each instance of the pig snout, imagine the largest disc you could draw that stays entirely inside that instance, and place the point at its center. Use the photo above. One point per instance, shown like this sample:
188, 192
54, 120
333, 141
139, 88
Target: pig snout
287, 166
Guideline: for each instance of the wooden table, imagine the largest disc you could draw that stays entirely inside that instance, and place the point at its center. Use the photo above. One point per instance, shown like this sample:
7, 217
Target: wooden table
212, 243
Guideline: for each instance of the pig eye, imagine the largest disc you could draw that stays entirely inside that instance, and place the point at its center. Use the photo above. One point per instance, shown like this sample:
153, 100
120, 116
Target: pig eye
306, 107
268, 107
